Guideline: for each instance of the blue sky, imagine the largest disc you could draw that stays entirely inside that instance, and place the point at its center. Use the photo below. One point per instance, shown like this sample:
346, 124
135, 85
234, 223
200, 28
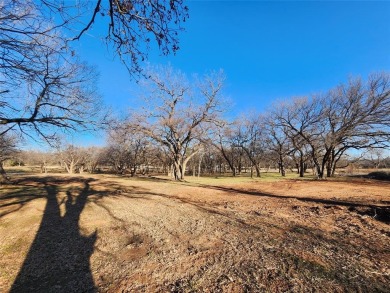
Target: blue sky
268, 50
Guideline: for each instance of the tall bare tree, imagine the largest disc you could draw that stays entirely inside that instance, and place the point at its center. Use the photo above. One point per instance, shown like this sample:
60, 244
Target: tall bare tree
179, 114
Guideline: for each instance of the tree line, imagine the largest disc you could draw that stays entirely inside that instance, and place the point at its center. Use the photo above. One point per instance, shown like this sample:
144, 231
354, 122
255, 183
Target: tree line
185, 118
181, 128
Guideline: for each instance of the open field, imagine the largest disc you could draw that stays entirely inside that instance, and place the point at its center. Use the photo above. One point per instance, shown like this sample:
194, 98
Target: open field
112, 234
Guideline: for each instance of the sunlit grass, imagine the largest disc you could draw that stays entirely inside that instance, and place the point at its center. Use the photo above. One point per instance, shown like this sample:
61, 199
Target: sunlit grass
221, 180
218, 179
36, 169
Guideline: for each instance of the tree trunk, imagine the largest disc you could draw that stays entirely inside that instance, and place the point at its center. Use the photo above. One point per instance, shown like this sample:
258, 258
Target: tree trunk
200, 165
301, 167
253, 162
178, 170
230, 163
320, 172
281, 166
257, 168
67, 167
4, 178
182, 168
133, 171
329, 169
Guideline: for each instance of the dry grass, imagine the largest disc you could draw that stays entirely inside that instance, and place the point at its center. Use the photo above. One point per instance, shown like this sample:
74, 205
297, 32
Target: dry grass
113, 234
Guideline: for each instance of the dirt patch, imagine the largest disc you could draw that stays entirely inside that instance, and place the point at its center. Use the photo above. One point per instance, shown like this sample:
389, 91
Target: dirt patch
110, 234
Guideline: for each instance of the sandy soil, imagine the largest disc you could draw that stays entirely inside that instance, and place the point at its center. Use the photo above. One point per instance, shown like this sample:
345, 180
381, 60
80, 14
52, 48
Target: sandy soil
112, 234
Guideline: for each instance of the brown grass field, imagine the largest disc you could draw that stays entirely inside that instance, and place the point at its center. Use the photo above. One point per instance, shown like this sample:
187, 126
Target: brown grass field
104, 233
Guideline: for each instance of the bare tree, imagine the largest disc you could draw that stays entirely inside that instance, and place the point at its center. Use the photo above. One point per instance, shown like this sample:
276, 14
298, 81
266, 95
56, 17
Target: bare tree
223, 140
351, 116
73, 158
59, 93
44, 88
24, 33
302, 118
7, 151
179, 114
94, 158
277, 141
43, 84
376, 157
357, 116
249, 136
212, 160
127, 149
132, 26
159, 157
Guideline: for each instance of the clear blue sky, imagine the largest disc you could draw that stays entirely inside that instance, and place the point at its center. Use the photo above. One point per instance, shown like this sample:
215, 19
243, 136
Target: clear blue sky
268, 50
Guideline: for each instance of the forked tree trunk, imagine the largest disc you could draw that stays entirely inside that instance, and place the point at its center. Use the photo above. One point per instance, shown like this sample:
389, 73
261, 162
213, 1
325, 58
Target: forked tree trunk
70, 167
180, 165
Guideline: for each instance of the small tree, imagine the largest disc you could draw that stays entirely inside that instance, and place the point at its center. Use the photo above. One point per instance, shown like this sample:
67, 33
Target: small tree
279, 144
249, 136
223, 141
127, 149
7, 151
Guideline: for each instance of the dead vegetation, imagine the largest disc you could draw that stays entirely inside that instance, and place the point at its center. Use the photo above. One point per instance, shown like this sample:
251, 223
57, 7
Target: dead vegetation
112, 234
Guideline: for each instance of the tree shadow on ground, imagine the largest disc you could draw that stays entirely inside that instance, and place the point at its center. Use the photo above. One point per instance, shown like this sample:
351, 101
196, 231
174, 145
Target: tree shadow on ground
58, 259
378, 212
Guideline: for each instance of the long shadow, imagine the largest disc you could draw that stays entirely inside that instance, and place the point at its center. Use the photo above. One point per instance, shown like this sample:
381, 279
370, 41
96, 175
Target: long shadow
58, 259
379, 212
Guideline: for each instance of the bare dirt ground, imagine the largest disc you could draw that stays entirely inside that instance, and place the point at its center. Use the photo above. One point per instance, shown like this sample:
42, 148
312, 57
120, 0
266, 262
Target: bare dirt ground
110, 234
